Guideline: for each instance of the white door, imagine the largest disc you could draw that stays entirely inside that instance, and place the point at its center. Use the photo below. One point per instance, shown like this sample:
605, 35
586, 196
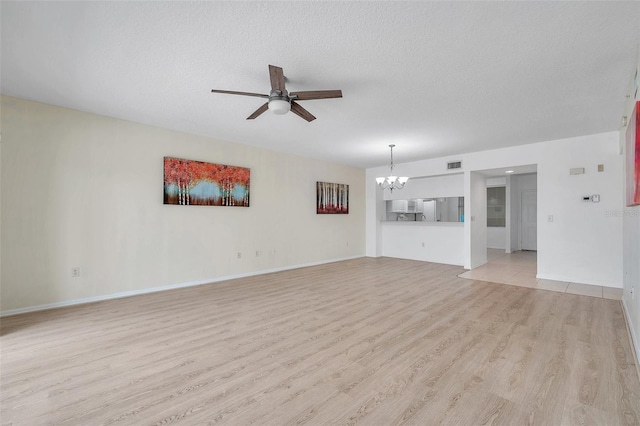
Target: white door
529, 220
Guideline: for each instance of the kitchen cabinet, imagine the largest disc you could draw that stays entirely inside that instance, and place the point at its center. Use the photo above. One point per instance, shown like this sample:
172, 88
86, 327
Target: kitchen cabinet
398, 206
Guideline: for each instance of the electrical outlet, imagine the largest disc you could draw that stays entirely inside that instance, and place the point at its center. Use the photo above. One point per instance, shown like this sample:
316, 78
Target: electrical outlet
257, 253
423, 244
550, 218
75, 272
239, 255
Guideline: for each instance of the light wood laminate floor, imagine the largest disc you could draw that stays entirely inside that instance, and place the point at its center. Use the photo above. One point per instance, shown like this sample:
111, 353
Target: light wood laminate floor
367, 341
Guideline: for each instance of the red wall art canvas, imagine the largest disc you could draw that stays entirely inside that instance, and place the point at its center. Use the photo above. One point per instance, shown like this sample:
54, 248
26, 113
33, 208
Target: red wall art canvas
196, 183
633, 157
332, 198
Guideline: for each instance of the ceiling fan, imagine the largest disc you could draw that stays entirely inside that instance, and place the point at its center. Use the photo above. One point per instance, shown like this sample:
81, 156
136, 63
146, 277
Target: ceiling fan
280, 101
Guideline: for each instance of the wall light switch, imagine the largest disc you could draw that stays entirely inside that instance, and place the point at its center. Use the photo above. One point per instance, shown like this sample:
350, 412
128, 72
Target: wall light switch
550, 218
595, 198
601, 167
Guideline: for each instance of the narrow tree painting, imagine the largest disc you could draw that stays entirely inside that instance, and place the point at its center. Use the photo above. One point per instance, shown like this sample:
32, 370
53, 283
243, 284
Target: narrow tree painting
332, 198
195, 183
633, 157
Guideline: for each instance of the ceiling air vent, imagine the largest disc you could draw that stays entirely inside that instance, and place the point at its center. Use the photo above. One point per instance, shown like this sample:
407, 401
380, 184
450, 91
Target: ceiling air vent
454, 165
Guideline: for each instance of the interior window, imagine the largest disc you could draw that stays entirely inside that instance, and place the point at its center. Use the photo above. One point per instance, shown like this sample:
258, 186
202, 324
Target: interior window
496, 201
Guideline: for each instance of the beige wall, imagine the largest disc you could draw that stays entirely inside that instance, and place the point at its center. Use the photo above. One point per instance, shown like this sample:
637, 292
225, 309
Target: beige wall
84, 190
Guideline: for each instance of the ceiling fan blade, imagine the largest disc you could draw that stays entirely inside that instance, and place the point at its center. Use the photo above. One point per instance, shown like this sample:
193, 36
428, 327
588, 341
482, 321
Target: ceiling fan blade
277, 78
259, 111
301, 112
316, 94
231, 92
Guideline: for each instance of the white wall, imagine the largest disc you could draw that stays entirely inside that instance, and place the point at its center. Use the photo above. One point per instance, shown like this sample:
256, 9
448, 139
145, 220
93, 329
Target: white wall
497, 181
496, 237
0, 204
475, 214
513, 215
631, 241
527, 182
584, 243
84, 190
436, 242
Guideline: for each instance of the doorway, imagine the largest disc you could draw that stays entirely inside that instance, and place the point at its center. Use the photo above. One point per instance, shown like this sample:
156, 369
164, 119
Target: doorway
508, 223
511, 244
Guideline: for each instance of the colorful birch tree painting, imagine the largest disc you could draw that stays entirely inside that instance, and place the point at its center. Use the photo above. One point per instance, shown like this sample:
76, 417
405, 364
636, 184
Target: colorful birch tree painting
196, 183
633, 157
332, 198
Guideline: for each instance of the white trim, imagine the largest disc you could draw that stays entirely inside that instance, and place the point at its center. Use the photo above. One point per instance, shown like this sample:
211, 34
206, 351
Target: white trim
163, 288
632, 332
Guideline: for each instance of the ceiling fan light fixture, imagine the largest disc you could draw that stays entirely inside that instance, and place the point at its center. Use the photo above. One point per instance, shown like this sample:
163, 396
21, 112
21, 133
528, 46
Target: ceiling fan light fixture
279, 106
279, 101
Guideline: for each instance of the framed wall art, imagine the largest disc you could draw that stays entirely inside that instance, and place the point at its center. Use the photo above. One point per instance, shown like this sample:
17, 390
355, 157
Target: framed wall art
332, 198
196, 183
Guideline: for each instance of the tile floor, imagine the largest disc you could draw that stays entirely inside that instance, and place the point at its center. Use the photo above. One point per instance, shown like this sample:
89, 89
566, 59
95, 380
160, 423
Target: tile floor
520, 268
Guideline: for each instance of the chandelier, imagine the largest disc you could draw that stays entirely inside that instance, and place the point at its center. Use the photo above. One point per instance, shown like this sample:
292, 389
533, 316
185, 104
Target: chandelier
392, 182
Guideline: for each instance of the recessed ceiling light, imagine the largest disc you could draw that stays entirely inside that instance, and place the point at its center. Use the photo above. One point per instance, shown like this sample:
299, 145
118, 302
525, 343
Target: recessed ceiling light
509, 171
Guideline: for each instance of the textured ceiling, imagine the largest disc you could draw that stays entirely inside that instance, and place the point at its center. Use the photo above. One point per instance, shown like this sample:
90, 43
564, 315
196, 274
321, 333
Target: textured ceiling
435, 78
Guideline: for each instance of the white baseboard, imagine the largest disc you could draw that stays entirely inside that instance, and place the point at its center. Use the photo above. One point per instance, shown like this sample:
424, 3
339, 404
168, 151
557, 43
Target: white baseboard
553, 277
632, 332
422, 259
163, 288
